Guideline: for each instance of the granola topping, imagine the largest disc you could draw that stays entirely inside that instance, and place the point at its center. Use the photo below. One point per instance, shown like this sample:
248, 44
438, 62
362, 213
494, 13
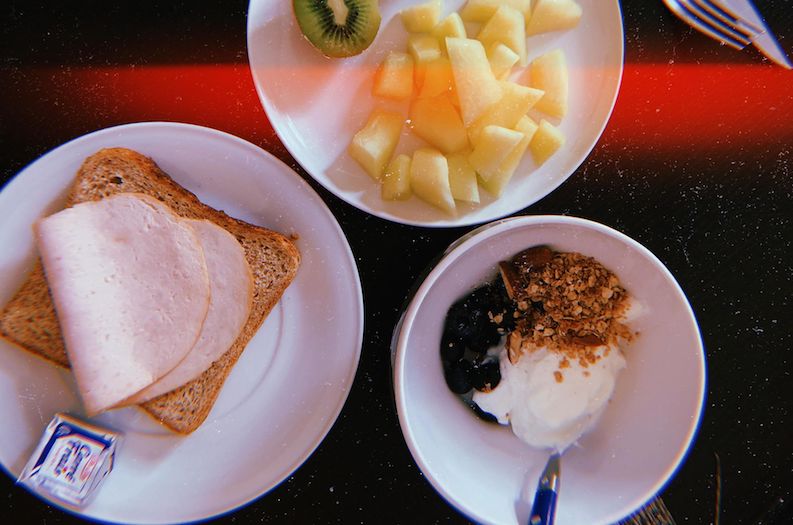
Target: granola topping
566, 302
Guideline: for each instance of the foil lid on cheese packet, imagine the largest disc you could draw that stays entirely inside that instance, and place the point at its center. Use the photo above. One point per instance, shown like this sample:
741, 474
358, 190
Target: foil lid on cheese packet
71, 461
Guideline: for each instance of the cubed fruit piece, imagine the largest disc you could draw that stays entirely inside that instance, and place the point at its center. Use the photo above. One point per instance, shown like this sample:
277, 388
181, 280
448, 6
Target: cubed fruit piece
508, 27
451, 26
477, 87
423, 49
501, 58
481, 10
462, 177
496, 184
396, 179
546, 141
516, 100
492, 148
394, 78
437, 79
552, 15
421, 18
437, 121
373, 146
549, 73
429, 178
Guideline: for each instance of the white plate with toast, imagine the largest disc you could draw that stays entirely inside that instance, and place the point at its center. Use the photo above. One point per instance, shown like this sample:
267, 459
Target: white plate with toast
290, 383
316, 104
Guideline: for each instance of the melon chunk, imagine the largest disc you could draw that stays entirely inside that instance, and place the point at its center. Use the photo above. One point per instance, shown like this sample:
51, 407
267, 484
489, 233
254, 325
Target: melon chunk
396, 179
549, 73
462, 177
421, 18
495, 185
482, 10
424, 49
429, 179
507, 26
451, 26
516, 100
394, 78
546, 141
437, 79
373, 146
492, 148
553, 15
437, 121
477, 87
501, 58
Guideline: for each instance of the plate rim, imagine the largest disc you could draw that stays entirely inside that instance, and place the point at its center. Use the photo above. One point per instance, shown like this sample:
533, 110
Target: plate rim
456, 250
280, 130
346, 254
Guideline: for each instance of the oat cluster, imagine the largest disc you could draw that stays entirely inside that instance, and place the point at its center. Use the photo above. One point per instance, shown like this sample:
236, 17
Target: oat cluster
567, 302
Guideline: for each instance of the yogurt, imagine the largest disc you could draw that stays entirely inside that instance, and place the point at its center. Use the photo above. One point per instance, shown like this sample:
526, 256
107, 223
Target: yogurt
548, 406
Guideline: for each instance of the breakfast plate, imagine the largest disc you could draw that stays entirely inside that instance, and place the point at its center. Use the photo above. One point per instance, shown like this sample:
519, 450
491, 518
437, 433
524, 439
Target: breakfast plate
287, 389
316, 104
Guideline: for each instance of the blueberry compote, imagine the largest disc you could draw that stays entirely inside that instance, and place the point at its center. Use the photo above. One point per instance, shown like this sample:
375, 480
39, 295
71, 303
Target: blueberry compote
475, 324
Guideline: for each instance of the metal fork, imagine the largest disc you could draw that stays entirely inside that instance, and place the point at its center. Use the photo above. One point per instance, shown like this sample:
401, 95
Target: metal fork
715, 20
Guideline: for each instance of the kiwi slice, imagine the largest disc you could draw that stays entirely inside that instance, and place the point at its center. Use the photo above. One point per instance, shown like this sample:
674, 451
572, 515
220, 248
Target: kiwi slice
338, 28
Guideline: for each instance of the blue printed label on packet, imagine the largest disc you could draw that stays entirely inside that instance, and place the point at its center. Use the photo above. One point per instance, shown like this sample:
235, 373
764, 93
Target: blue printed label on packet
71, 460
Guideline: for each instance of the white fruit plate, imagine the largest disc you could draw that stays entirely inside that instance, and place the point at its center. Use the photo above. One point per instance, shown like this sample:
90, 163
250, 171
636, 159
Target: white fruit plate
316, 104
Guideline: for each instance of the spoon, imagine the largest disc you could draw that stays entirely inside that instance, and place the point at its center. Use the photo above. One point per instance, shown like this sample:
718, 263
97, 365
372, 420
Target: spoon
544, 508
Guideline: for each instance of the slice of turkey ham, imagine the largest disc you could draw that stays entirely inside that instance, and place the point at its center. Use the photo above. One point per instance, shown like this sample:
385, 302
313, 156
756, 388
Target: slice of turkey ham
231, 296
131, 289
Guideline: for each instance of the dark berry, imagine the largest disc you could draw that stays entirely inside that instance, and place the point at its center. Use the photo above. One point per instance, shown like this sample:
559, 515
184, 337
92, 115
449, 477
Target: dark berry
485, 376
451, 349
481, 414
458, 376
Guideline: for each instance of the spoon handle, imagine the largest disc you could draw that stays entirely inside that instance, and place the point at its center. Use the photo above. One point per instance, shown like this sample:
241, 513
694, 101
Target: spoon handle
544, 507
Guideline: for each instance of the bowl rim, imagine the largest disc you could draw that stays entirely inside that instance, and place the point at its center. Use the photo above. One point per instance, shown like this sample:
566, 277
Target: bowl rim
457, 249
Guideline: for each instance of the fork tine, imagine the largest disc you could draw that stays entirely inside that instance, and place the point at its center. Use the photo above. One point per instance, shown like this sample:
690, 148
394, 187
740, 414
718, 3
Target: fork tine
689, 17
722, 11
694, 7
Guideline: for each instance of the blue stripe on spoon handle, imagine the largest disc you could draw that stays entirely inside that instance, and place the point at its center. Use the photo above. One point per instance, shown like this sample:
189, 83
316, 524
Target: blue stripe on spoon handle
544, 507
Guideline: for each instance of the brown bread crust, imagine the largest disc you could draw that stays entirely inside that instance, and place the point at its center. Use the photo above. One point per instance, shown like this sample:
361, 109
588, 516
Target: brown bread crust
29, 319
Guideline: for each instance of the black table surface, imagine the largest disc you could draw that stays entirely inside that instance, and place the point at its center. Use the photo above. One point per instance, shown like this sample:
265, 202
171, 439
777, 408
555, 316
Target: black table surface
696, 163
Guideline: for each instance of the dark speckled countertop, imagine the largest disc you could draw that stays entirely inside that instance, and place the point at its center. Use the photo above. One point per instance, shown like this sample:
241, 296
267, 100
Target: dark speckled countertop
696, 164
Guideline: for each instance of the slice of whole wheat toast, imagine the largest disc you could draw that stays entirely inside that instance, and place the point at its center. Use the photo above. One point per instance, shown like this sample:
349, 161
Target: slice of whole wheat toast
29, 319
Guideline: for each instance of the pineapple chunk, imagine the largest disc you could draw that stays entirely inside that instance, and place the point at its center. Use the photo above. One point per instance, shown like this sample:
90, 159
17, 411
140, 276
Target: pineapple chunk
507, 26
396, 179
501, 59
437, 79
477, 87
553, 15
462, 178
373, 146
437, 121
516, 100
394, 78
451, 26
429, 179
549, 73
492, 148
496, 184
546, 141
482, 10
421, 18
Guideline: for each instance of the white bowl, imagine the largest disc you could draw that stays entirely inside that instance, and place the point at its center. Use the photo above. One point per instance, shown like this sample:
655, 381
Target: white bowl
487, 472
